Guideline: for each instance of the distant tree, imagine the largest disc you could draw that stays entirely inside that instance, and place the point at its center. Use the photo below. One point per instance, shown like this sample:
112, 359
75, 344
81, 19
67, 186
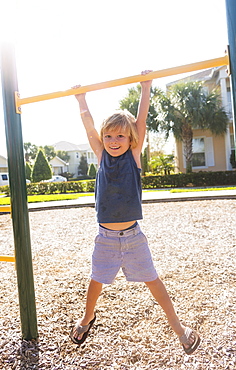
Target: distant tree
30, 151
162, 164
92, 171
28, 171
41, 170
131, 103
144, 161
185, 107
63, 155
49, 152
83, 166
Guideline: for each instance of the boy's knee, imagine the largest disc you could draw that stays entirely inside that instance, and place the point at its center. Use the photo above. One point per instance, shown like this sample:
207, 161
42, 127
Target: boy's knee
154, 283
95, 283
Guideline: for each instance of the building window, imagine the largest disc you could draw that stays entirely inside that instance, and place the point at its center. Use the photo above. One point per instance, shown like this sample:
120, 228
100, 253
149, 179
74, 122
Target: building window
229, 103
198, 159
232, 143
232, 156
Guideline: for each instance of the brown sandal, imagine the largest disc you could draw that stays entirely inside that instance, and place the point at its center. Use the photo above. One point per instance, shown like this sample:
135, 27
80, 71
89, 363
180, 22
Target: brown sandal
81, 330
185, 340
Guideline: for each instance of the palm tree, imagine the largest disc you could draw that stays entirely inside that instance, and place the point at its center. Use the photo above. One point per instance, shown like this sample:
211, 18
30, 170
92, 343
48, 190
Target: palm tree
162, 164
186, 106
131, 102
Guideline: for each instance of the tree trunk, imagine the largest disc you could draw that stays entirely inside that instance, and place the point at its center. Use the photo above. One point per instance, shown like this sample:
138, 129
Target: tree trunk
187, 135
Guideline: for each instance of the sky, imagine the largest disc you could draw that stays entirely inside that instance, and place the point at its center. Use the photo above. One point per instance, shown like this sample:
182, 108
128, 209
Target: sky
62, 43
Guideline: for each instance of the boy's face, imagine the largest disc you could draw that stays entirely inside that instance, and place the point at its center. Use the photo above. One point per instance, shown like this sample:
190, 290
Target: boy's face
116, 142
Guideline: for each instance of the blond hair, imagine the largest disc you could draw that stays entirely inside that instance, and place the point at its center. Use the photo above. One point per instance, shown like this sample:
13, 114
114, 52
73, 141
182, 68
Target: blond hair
123, 120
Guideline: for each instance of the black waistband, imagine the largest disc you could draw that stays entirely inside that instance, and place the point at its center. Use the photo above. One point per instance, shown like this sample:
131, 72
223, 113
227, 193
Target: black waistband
128, 228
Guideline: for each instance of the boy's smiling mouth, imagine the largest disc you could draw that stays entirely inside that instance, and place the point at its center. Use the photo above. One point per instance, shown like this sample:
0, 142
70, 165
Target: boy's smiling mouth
114, 148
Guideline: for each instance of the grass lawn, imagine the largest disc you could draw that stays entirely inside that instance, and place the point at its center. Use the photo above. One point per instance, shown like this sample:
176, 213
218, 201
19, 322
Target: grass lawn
202, 189
47, 198
52, 197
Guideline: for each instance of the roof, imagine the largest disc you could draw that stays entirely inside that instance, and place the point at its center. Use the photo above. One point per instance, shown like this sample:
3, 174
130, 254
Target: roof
70, 147
3, 161
200, 76
56, 161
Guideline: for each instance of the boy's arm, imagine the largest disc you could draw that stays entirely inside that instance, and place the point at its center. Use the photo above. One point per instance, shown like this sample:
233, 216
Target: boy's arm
87, 119
143, 110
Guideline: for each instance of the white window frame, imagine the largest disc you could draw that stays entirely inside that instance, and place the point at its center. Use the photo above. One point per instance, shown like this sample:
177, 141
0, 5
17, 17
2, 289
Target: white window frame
232, 143
209, 153
201, 137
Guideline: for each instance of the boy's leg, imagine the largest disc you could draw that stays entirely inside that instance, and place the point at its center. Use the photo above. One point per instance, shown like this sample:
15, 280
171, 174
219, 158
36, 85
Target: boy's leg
93, 292
159, 292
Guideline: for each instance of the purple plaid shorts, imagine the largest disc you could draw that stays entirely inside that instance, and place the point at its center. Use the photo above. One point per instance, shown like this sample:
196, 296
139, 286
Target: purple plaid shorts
126, 249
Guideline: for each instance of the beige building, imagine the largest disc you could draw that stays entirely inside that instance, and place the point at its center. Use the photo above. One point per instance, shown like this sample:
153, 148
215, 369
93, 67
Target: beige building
210, 152
59, 166
3, 164
75, 153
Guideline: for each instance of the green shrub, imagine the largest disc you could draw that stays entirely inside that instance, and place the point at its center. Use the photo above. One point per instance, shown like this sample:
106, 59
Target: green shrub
41, 169
190, 179
83, 186
28, 171
180, 180
5, 189
92, 171
90, 186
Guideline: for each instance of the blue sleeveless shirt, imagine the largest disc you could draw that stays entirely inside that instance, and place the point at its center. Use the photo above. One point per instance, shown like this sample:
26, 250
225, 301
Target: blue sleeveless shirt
118, 190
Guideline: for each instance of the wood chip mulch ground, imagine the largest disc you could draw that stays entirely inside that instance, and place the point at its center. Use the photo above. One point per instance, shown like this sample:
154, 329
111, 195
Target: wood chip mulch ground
194, 249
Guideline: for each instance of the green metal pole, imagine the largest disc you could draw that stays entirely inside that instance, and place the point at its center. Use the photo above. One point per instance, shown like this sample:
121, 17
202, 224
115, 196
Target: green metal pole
231, 25
20, 216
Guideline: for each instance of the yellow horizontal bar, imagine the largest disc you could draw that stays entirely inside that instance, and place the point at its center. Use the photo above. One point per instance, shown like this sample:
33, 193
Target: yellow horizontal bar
126, 80
5, 209
7, 258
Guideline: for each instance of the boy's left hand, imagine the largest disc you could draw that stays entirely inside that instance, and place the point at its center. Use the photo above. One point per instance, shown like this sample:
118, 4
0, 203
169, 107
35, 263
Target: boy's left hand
148, 82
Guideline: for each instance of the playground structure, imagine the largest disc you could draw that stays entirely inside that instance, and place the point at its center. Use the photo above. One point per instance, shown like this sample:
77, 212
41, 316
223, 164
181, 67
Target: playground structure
12, 108
6, 209
7, 258
124, 81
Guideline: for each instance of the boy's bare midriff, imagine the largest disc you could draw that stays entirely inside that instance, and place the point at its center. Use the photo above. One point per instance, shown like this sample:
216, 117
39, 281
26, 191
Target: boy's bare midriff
118, 225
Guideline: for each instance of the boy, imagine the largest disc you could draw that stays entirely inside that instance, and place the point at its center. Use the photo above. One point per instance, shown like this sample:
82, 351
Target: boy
120, 242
